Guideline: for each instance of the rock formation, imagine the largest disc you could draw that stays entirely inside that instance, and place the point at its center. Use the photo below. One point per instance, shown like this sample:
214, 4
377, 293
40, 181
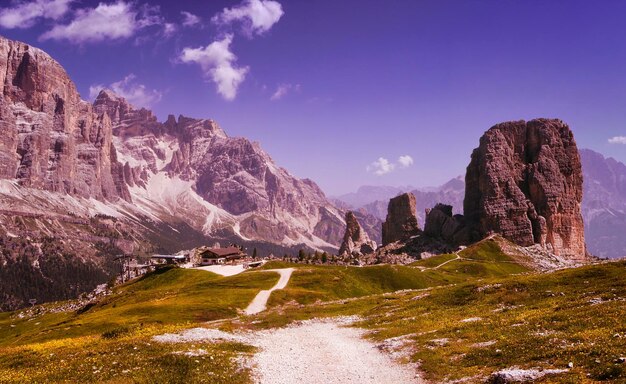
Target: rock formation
442, 224
234, 176
355, 240
401, 222
51, 139
525, 182
369, 199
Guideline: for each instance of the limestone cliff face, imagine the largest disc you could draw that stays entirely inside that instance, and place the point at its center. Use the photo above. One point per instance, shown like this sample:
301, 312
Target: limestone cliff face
401, 222
525, 182
51, 139
355, 241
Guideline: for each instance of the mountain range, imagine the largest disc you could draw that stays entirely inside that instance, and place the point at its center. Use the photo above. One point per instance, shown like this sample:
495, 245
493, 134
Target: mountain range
81, 183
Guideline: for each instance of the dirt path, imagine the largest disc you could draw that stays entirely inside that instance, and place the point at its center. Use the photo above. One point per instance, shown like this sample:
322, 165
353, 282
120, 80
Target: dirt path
458, 257
224, 270
310, 352
324, 352
259, 303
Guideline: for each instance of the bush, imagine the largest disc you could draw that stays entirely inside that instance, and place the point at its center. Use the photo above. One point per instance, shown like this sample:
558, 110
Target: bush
115, 332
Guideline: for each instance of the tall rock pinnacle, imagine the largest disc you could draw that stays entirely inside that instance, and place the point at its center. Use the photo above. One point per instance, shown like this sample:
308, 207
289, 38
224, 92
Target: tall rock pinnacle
525, 182
401, 222
355, 240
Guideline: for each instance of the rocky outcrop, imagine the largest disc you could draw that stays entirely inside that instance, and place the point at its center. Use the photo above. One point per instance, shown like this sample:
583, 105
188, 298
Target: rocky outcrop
371, 224
525, 182
51, 139
401, 222
355, 241
442, 224
450, 193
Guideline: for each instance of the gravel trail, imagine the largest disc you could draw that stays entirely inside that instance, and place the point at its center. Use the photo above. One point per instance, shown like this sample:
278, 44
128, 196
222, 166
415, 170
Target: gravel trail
324, 352
318, 351
260, 301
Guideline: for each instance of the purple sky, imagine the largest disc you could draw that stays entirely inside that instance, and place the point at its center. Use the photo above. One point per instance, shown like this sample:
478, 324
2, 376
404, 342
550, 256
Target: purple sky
329, 87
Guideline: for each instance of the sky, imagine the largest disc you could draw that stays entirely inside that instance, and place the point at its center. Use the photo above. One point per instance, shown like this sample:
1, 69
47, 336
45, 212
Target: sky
349, 93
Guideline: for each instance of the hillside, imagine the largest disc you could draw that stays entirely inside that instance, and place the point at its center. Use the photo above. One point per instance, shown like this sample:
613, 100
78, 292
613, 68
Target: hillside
529, 324
452, 300
470, 314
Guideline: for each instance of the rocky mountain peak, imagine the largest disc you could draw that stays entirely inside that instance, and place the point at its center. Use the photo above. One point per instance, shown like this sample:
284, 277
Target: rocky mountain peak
126, 119
184, 169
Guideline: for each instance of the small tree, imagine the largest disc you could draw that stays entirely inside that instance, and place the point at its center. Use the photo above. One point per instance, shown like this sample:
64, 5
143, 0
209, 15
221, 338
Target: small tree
324, 258
301, 255
254, 253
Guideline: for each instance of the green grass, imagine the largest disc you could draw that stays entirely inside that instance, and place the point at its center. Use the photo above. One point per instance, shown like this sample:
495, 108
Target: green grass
172, 296
487, 250
135, 359
312, 283
81, 347
434, 261
526, 319
531, 321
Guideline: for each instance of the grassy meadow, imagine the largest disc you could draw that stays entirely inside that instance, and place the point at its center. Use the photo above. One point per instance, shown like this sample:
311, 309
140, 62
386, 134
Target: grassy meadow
458, 317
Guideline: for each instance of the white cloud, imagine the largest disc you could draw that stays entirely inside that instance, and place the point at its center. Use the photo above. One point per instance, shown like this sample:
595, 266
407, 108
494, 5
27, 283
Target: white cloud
257, 16
169, 29
283, 89
380, 167
617, 140
136, 94
405, 161
189, 19
218, 64
105, 22
26, 13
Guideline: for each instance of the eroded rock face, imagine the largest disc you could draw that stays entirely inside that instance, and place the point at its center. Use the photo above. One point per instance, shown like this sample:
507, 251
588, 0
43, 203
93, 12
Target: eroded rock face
51, 139
246, 192
355, 241
401, 222
525, 182
442, 224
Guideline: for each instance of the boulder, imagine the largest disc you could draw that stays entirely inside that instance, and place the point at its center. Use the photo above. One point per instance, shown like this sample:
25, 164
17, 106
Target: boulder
442, 224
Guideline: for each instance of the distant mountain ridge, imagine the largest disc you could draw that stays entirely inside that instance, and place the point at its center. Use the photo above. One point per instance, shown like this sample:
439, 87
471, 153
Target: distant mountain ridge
369, 193
604, 204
